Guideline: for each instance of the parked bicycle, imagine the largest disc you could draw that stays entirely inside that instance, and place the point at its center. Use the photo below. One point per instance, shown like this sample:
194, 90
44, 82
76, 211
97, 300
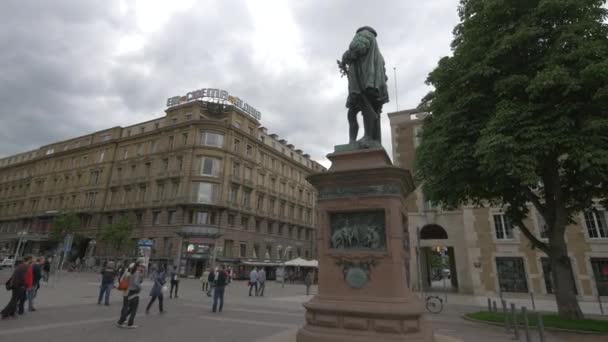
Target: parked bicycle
434, 304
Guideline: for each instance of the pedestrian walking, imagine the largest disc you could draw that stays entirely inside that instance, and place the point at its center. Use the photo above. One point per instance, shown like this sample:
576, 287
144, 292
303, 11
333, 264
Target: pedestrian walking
174, 282
220, 286
211, 282
108, 275
205, 280
29, 285
261, 281
46, 270
253, 281
37, 276
131, 300
157, 290
16, 284
308, 282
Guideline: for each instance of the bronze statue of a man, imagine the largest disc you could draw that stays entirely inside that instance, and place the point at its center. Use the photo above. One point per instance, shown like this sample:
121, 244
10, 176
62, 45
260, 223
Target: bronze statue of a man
364, 65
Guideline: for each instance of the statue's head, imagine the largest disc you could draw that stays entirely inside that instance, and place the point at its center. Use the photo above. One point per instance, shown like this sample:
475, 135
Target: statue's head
368, 28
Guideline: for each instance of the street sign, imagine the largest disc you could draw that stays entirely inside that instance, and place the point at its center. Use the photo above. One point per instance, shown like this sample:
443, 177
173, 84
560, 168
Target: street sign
145, 243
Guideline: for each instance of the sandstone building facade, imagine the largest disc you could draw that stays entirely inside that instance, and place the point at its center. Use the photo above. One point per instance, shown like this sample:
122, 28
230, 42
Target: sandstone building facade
205, 180
484, 253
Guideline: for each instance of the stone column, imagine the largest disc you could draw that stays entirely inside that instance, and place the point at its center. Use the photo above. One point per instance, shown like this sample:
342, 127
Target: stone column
363, 253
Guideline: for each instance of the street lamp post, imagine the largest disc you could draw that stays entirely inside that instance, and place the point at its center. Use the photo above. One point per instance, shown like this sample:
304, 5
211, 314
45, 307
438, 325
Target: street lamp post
20, 245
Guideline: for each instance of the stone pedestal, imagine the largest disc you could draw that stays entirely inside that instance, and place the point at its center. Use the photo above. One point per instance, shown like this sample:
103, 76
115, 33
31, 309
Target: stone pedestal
363, 256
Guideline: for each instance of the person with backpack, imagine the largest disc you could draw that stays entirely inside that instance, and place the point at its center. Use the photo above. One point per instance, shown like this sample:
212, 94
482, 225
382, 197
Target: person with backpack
174, 282
107, 283
134, 277
15, 284
157, 290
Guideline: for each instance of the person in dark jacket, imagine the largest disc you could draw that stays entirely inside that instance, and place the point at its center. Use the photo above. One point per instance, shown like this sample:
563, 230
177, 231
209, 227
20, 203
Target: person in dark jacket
211, 280
157, 291
46, 268
108, 275
174, 282
220, 285
17, 285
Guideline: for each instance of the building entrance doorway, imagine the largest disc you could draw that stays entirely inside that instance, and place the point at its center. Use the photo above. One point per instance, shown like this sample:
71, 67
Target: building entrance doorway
437, 261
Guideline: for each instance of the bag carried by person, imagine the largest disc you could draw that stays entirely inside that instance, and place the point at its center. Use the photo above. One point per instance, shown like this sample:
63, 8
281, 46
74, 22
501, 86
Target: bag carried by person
123, 284
9, 284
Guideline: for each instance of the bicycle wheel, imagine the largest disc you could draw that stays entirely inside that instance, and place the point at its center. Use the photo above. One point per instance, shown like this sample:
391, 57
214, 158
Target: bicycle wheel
434, 304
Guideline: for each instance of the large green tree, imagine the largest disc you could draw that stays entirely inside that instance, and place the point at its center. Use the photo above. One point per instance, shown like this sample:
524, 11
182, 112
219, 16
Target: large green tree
64, 224
117, 235
519, 118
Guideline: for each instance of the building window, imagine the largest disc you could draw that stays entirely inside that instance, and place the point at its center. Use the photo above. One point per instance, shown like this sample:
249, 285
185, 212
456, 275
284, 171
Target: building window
244, 222
503, 227
125, 153
243, 250
184, 139
236, 169
171, 217
260, 203
595, 220
236, 146
156, 218
160, 191
511, 274
210, 166
102, 154
95, 177
139, 149
228, 246
205, 192
542, 226
171, 142
256, 251
248, 171
231, 220
165, 164
234, 191
246, 198
200, 217
249, 150
258, 226
268, 254
600, 272
153, 146
209, 138
139, 219
548, 276
180, 162
236, 124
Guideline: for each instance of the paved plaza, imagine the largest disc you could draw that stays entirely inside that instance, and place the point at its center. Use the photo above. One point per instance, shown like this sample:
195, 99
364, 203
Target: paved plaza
67, 312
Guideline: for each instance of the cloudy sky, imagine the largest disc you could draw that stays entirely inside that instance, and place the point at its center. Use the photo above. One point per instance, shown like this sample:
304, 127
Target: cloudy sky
68, 68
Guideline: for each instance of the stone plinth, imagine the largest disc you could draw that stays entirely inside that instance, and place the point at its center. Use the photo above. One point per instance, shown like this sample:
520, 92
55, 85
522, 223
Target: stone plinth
363, 251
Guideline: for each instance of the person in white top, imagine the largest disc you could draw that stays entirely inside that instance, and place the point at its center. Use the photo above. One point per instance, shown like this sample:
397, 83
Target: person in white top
253, 281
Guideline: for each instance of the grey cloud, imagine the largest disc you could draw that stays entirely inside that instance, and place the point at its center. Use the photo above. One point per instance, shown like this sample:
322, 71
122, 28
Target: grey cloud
79, 82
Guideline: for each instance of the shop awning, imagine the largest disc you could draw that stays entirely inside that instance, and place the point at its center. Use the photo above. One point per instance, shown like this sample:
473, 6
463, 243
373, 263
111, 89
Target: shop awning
260, 263
302, 263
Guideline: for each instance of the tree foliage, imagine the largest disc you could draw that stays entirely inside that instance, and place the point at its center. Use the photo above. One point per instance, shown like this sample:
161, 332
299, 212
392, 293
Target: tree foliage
117, 235
519, 116
64, 224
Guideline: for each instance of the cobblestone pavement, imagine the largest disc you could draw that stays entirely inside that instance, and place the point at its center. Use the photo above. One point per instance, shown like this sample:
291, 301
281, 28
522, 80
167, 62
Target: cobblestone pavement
67, 312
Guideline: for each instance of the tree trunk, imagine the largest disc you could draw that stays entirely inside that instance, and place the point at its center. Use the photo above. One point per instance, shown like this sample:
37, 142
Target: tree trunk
564, 287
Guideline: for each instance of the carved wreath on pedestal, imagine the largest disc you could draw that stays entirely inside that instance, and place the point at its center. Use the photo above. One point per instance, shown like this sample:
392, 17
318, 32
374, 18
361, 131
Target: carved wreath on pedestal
357, 273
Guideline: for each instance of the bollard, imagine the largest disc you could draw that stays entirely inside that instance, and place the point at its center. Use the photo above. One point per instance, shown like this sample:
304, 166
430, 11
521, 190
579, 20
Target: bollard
489, 304
494, 309
533, 303
524, 312
504, 311
540, 326
599, 301
515, 322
